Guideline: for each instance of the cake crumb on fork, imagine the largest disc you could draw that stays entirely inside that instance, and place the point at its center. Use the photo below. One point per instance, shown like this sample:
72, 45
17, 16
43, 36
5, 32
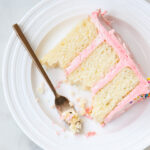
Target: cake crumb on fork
41, 89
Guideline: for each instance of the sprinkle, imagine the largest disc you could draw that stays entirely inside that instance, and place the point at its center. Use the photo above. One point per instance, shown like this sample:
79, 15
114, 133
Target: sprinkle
131, 102
88, 110
146, 95
69, 117
148, 79
91, 133
57, 133
141, 97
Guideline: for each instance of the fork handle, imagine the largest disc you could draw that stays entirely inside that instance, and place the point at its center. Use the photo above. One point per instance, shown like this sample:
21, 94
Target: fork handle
29, 49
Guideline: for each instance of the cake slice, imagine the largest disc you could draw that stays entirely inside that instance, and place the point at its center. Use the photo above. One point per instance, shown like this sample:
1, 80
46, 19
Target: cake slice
94, 57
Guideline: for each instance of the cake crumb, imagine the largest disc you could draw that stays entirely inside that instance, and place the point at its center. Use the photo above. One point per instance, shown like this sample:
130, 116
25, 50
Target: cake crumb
37, 99
72, 118
90, 133
41, 89
73, 94
71, 104
53, 106
88, 110
82, 106
102, 124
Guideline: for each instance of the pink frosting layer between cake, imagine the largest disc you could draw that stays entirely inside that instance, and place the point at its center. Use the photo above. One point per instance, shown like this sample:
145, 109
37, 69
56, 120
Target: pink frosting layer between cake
83, 55
125, 61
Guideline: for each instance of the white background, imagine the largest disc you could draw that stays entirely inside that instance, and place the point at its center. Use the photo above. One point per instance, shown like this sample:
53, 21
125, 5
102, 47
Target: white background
11, 137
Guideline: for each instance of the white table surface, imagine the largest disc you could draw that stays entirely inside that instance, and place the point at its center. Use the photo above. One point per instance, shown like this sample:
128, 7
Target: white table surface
11, 137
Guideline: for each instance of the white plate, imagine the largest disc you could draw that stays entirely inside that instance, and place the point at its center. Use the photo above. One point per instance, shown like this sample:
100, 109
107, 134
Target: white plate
44, 25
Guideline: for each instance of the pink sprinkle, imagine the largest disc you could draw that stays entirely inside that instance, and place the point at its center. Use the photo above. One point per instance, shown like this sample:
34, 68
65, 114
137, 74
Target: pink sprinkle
57, 133
70, 117
88, 110
59, 84
104, 12
78, 99
89, 134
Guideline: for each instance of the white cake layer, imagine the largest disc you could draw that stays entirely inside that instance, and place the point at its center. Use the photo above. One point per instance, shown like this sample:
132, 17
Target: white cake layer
95, 67
76, 41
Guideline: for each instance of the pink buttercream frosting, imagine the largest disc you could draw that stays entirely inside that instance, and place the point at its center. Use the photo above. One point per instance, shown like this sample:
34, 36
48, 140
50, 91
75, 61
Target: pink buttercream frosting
83, 55
105, 32
125, 61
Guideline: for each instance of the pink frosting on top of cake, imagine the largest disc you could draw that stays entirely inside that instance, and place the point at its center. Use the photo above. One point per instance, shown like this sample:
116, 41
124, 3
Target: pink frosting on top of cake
125, 61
